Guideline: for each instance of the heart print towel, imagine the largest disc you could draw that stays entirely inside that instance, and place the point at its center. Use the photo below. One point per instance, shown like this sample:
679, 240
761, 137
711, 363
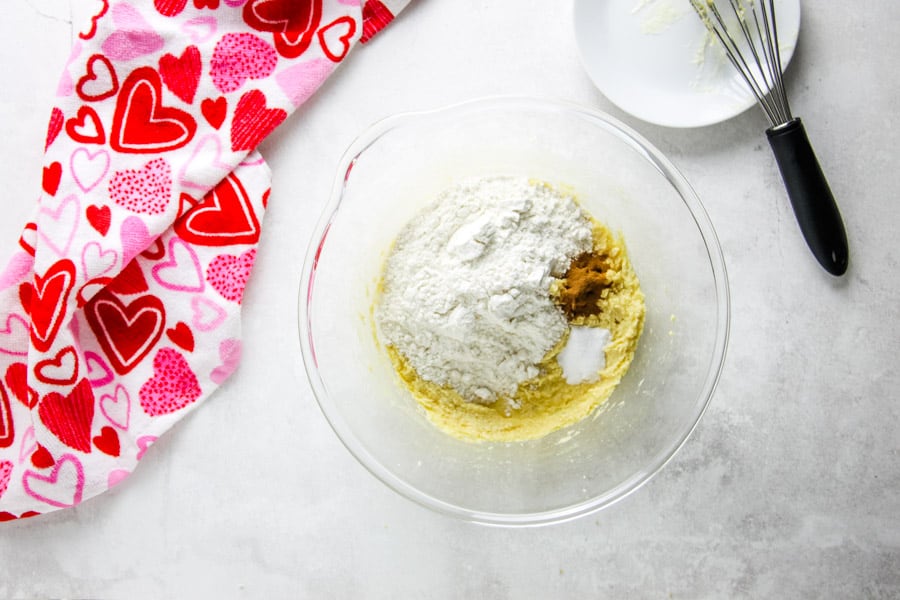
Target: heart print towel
120, 304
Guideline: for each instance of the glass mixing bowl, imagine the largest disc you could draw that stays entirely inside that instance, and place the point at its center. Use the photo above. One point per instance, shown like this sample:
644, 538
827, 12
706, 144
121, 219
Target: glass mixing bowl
397, 167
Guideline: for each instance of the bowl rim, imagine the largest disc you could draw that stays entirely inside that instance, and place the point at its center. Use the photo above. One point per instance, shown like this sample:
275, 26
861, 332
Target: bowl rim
519, 519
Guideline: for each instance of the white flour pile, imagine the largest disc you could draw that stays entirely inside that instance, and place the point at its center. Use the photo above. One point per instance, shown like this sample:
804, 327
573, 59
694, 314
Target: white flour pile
465, 292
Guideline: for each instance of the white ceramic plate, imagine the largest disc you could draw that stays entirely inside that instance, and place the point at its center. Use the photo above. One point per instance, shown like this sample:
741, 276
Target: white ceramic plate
652, 59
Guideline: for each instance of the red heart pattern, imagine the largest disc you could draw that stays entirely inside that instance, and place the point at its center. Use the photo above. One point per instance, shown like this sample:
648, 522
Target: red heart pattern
69, 417
99, 82
182, 74
141, 124
335, 38
279, 16
99, 217
86, 127
41, 458
253, 121
185, 203
47, 302
26, 240
62, 369
169, 8
26, 292
181, 336
52, 175
156, 251
8, 516
214, 110
54, 127
108, 441
91, 320
376, 16
16, 379
224, 217
292, 22
7, 427
129, 281
126, 332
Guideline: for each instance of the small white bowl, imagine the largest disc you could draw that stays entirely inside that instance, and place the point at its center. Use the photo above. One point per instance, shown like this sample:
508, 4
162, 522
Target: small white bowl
648, 58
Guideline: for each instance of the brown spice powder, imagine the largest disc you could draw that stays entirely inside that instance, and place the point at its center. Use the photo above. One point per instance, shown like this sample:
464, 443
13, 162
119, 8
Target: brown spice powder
582, 288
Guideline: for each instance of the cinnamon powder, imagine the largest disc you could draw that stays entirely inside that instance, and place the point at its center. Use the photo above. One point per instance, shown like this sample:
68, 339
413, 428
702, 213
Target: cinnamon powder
582, 288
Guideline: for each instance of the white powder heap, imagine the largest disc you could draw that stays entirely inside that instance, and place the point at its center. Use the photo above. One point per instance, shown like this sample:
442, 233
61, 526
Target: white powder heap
466, 288
584, 355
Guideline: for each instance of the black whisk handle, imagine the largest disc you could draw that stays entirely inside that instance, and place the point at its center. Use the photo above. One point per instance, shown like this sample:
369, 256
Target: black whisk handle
814, 205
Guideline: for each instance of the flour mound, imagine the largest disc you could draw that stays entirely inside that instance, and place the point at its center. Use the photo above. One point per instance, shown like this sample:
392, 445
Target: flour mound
466, 287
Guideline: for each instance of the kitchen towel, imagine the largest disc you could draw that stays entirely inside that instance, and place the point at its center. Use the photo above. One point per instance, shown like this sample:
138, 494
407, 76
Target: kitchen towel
120, 306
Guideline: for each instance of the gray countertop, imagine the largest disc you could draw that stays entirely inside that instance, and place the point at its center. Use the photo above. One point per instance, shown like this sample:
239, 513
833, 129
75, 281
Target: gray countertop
789, 488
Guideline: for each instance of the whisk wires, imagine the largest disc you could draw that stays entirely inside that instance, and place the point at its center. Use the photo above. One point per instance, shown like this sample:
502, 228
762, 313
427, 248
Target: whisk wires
750, 41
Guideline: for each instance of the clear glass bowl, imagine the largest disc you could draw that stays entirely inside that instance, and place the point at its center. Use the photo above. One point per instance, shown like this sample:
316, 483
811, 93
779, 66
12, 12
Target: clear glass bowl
398, 166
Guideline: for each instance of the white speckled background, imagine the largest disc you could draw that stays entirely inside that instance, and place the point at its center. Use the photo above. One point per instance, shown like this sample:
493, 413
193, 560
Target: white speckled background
790, 487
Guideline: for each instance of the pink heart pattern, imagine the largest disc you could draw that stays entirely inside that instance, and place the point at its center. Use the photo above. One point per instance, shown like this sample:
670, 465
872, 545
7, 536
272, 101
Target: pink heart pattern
239, 57
116, 476
96, 261
228, 274
134, 37
135, 238
207, 153
145, 191
12, 336
29, 445
230, 355
200, 29
300, 81
116, 407
182, 271
207, 315
59, 235
16, 271
172, 387
89, 168
62, 488
143, 443
98, 372
6, 468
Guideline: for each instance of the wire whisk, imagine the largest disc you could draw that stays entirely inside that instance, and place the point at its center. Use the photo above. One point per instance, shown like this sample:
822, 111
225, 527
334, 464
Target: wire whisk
748, 32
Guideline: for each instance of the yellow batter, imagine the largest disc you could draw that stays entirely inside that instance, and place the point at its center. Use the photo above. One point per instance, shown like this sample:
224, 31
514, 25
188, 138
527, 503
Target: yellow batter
546, 403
